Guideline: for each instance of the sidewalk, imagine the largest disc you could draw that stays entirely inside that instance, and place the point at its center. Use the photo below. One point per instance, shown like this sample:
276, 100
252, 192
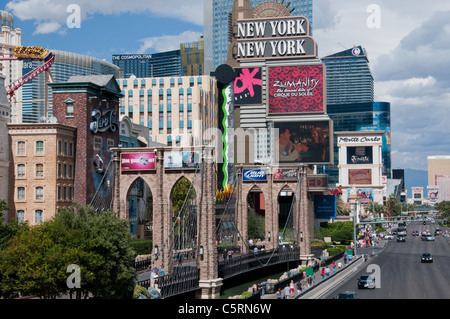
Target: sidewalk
317, 278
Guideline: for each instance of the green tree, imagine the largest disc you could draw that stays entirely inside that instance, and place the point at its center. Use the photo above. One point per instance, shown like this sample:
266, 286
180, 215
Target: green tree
36, 259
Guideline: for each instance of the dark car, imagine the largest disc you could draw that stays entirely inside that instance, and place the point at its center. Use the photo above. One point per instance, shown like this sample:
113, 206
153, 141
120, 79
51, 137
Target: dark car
426, 258
347, 295
366, 281
401, 239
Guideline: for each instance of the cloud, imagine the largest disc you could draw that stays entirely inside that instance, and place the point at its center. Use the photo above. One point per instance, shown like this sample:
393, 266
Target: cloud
46, 13
168, 42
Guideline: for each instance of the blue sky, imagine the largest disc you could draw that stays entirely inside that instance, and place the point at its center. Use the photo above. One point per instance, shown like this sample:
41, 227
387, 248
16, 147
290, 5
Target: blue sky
407, 43
137, 28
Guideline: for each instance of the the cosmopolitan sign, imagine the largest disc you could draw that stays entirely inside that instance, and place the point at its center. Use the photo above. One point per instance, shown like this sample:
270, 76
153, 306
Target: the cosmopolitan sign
254, 175
274, 38
137, 161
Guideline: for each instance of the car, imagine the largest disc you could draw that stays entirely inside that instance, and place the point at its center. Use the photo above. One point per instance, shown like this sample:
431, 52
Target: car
424, 222
437, 232
430, 237
366, 281
347, 295
415, 233
401, 239
389, 237
426, 258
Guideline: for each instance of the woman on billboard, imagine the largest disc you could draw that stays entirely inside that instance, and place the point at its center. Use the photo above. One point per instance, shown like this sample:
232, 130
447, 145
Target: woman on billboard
290, 152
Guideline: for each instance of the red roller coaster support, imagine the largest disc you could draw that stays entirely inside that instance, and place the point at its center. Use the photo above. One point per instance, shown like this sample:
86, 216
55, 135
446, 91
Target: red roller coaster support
15, 85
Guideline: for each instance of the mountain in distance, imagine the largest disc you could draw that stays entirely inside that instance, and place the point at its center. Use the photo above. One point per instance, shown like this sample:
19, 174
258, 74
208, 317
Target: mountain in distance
416, 178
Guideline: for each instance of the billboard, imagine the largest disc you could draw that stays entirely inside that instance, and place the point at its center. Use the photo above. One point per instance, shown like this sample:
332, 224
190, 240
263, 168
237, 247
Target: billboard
181, 159
365, 195
285, 174
325, 206
137, 161
359, 176
304, 142
248, 86
252, 175
359, 155
296, 89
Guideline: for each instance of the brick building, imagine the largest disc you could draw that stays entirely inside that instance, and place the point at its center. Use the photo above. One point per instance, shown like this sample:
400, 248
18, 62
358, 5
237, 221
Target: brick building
53, 164
41, 171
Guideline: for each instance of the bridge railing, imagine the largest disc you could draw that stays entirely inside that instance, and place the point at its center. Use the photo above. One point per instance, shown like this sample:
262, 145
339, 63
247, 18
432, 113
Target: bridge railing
248, 262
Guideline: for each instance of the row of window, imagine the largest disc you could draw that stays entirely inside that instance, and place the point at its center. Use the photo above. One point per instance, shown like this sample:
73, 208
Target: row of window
64, 171
64, 193
64, 148
38, 216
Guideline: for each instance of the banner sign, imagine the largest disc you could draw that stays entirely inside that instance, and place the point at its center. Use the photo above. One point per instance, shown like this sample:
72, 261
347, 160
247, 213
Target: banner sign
254, 175
137, 161
304, 47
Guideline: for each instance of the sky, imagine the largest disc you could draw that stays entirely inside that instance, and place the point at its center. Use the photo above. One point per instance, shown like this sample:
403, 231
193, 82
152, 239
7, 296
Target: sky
407, 42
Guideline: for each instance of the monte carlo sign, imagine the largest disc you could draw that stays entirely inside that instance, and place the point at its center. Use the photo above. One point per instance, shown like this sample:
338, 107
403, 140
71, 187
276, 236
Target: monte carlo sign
274, 38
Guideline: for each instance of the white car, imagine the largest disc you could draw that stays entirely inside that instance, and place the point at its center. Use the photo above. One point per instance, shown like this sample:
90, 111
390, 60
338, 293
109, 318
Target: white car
388, 237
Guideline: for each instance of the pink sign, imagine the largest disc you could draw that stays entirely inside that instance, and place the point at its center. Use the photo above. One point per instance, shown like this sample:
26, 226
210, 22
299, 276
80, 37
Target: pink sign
137, 161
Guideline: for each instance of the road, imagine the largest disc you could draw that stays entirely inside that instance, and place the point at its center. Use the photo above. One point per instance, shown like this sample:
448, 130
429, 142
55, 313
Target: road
403, 276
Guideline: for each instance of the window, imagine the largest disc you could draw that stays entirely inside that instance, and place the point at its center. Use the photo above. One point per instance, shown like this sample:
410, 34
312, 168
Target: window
39, 147
21, 171
39, 193
59, 170
70, 171
65, 148
38, 216
20, 148
59, 192
21, 216
39, 170
69, 109
70, 149
20, 193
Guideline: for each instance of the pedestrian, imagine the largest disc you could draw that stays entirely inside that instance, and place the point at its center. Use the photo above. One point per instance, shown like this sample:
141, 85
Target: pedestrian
334, 266
230, 254
279, 293
286, 292
225, 254
323, 273
327, 272
345, 259
291, 288
180, 258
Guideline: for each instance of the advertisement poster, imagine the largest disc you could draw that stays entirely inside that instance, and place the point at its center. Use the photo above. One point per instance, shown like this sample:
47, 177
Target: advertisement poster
359, 176
248, 87
173, 160
359, 155
254, 175
285, 174
296, 89
191, 159
325, 206
137, 161
304, 142
365, 195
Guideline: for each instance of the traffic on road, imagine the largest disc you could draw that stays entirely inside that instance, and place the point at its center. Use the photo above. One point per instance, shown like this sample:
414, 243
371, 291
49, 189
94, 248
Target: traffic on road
413, 264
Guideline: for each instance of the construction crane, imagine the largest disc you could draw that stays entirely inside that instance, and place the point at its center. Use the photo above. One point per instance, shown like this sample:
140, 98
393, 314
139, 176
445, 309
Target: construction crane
30, 53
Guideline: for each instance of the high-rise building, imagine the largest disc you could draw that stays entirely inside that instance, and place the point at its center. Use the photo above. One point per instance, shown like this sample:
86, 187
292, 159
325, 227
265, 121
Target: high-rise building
188, 60
175, 109
349, 79
351, 105
217, 17
439, 175
34, 107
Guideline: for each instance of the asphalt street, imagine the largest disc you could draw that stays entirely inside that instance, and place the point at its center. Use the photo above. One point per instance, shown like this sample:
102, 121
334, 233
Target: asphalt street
402, 275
